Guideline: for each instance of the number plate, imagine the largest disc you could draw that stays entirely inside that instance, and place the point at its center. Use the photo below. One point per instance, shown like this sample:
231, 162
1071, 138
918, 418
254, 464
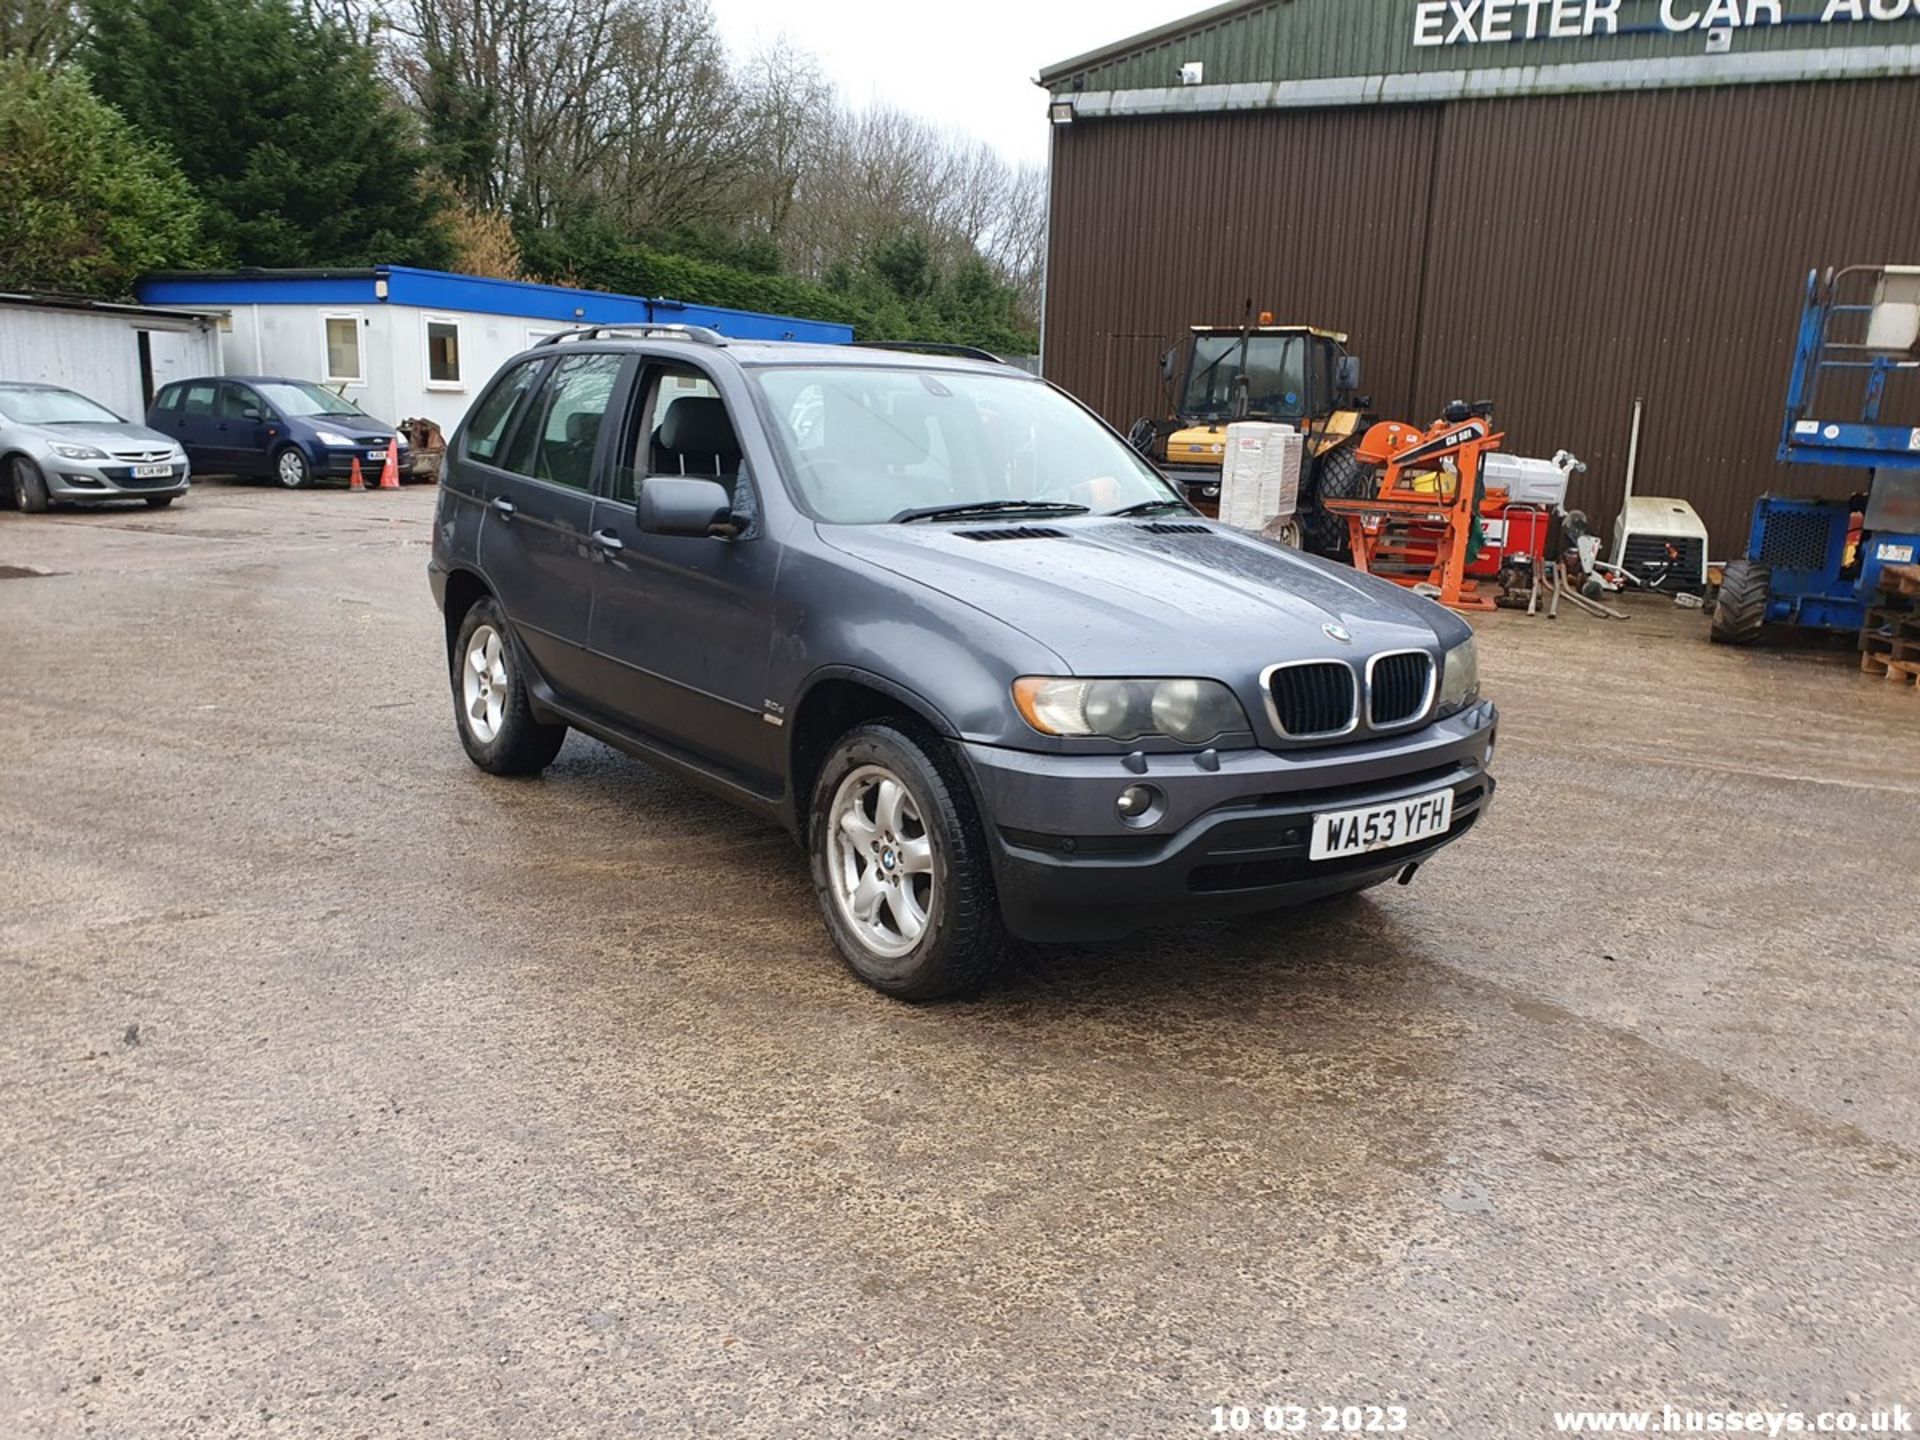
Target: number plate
151, 472
1381, 827
376, 454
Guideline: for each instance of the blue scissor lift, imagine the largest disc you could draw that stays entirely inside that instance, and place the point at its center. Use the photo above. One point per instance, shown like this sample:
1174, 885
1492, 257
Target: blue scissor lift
1807, 562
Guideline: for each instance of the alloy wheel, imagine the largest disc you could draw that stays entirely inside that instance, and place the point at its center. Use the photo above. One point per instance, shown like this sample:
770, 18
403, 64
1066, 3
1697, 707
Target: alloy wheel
880, 861
483, 683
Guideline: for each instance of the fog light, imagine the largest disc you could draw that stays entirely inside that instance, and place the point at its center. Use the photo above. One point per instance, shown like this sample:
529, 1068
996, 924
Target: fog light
1139, 805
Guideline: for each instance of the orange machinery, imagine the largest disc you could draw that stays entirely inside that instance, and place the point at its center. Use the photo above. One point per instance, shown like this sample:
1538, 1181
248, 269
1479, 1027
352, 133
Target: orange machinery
1417, 527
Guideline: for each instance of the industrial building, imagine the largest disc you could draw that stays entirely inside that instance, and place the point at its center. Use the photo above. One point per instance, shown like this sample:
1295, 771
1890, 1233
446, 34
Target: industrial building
1560, 205
402, 342
118, 355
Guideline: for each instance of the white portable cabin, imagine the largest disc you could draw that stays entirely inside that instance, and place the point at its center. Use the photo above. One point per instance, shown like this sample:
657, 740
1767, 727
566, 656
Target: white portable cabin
403, 343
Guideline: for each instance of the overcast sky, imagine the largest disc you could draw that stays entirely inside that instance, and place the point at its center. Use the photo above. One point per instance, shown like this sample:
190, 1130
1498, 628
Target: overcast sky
968, 65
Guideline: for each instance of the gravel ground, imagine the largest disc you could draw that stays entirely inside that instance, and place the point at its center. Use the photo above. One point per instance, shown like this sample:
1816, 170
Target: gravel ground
345, 1090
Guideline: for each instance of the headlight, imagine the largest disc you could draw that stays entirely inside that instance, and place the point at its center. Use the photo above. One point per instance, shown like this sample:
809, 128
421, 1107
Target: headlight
1190, 711
331, 437
1459, 679
80, 452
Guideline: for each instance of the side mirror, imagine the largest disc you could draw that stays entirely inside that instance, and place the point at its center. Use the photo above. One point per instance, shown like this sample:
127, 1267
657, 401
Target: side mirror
683, 505
1346, 378
1168, 363
249, 412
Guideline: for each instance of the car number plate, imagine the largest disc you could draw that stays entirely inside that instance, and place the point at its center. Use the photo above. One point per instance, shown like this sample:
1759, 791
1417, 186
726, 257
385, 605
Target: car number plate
1381, 827
376, 454
151, 472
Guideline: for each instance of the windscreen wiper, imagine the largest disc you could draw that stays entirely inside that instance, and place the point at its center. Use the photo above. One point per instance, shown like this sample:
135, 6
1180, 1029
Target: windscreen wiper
1148, 507
988, 507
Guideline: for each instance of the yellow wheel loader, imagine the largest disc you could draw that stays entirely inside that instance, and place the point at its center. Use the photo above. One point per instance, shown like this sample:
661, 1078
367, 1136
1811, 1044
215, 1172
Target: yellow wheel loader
1297, 375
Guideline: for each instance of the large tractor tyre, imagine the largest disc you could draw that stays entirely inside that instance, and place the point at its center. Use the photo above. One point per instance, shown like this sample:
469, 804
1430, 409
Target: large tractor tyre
1343, 475
1742, 607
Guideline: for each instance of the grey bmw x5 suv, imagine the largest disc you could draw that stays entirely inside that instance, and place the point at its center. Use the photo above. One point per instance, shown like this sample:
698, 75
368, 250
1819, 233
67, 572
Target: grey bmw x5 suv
940, 621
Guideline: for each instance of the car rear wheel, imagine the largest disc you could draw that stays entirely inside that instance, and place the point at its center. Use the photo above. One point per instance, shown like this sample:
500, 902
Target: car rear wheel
29, 487
290, 468
900, 866
497, 725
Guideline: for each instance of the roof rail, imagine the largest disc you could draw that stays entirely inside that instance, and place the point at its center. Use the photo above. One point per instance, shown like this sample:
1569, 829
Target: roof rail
931, 347
698, 334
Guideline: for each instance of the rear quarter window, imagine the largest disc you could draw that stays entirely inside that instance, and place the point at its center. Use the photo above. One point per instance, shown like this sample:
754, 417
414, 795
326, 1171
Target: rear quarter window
488, 426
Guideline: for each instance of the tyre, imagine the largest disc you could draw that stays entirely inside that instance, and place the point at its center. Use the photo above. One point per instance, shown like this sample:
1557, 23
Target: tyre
29, 487
290, 468
1742, 607
160, 502
1342, 475
490, 699
900, 865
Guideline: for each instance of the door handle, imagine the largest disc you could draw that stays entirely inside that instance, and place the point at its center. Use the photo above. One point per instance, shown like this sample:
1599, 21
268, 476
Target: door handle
609, 541
503, 505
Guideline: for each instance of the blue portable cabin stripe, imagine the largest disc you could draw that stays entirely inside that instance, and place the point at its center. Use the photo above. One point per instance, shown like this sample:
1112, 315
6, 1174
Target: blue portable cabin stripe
476, 294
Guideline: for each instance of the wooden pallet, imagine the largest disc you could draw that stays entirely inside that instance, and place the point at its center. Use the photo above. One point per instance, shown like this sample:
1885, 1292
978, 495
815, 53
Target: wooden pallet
1901, 580
1890, 638
1895, 672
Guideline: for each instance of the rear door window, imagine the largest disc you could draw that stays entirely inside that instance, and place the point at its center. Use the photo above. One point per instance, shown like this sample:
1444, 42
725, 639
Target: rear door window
198, 399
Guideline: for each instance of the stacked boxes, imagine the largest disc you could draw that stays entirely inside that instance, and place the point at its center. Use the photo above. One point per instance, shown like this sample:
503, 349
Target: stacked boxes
1260, 482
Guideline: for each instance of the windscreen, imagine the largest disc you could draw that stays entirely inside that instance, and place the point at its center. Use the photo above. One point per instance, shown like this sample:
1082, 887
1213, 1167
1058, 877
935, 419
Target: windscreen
297, 397
869, 446
1276, 371
52, 407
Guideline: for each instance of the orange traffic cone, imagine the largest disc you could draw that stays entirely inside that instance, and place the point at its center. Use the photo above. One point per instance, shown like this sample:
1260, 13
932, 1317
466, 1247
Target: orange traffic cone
390, 472
357, 481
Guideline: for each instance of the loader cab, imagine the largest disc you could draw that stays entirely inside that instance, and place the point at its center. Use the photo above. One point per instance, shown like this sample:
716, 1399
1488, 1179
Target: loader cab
1287, 373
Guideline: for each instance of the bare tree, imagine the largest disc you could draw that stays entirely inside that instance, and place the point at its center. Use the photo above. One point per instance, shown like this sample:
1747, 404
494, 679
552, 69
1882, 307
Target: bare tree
41, 32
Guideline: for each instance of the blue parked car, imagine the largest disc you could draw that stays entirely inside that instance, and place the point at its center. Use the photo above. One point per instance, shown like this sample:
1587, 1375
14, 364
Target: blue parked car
292, 431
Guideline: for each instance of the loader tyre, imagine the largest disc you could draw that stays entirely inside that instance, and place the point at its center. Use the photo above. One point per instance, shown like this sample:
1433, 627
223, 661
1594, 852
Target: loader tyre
1742, 607
1343, 475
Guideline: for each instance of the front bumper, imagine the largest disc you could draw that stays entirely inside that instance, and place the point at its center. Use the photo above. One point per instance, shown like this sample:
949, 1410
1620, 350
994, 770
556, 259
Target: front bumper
337, 464
1230, 841
84, 482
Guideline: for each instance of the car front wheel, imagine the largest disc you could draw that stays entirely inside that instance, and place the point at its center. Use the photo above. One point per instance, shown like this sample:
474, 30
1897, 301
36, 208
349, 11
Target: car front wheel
29, 487
290, 468
900, 866
497, 725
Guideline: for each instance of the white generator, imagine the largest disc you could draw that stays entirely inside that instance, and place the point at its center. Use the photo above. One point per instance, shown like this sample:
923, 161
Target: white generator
1662, 544
1530, 482
1260, 479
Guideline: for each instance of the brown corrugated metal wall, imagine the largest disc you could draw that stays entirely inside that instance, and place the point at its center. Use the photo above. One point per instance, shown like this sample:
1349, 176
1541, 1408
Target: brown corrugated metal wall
1559, 255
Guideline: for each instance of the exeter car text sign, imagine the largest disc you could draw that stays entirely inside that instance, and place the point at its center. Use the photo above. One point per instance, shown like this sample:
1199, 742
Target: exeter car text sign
1482, 22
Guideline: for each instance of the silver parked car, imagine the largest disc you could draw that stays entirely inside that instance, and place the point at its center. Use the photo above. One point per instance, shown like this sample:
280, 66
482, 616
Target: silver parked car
57, 447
